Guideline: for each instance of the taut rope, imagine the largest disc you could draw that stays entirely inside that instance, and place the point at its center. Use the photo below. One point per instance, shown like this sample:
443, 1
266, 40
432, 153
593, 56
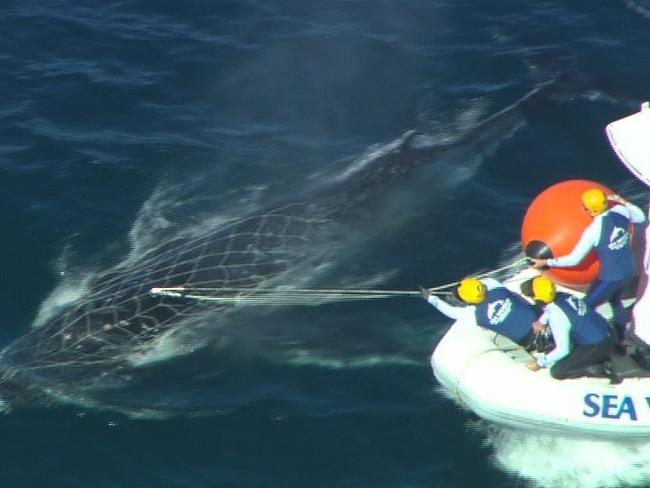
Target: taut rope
303, 296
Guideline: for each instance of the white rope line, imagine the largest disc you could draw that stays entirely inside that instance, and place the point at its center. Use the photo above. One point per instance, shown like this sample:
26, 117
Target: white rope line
519, 262
283, 291
283, 296
298, 296
514, 264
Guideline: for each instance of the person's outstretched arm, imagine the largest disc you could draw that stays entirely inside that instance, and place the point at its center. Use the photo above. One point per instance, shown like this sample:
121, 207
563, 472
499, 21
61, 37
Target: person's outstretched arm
587, 242
445, 308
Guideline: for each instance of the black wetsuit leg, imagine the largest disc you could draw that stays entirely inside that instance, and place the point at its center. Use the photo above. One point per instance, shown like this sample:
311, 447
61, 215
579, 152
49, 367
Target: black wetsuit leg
612, 292
579, 359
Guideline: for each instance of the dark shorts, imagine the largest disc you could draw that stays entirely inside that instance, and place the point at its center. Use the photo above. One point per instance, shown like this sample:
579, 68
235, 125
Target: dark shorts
577, 363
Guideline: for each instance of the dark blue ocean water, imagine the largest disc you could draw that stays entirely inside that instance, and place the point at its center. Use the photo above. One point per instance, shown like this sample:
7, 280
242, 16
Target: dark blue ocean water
124, 123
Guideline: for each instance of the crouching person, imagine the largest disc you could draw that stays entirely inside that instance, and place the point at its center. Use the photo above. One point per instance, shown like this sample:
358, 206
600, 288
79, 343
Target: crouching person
492, 306
582, 342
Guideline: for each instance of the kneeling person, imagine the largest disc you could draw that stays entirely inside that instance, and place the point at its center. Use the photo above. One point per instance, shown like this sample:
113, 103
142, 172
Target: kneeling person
493, 306
581, 334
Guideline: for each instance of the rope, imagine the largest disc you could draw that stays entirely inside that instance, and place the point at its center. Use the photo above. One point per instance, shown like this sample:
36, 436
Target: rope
487, 274
284, 296
302, 296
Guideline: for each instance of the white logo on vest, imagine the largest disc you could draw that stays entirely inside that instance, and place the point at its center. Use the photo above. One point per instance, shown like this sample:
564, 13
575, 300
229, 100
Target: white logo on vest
618, 239
498, 310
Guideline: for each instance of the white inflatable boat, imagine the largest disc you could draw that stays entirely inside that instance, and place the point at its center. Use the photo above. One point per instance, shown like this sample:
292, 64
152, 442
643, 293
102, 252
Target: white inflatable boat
487, 373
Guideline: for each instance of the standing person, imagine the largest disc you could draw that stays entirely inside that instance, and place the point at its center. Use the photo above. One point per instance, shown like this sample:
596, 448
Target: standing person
581, 334
493, 306
609, 234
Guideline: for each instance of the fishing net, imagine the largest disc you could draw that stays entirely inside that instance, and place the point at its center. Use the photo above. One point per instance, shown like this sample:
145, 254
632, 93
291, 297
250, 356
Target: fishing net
89, 340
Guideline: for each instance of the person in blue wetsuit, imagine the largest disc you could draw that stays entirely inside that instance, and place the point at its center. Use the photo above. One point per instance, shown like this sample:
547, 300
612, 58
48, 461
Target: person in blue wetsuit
581, 335
493, 306
609, 234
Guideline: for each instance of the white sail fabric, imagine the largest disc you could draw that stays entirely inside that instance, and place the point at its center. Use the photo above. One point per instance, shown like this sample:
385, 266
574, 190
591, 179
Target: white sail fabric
630, 138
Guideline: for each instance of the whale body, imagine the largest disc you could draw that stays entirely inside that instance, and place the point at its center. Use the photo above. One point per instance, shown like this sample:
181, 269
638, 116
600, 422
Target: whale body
94, 348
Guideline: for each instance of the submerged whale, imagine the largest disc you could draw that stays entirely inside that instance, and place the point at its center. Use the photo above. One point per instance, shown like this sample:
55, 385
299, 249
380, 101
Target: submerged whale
102, 344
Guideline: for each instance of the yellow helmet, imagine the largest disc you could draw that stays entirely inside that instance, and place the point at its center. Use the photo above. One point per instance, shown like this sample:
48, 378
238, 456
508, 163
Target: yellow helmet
472, 291
543, 289
594, 201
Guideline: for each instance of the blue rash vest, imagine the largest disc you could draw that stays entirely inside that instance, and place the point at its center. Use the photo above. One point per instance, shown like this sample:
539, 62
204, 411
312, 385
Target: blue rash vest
614, 249
588, 327
506, 313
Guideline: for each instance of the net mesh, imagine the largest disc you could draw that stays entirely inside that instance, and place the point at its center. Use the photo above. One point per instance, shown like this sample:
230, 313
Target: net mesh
88, 342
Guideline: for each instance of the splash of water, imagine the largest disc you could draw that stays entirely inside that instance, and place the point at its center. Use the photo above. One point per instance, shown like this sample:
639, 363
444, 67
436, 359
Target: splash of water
640, 6
550, 460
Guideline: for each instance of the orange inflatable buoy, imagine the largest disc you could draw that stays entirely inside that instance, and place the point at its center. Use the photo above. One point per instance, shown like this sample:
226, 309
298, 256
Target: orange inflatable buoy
554, 224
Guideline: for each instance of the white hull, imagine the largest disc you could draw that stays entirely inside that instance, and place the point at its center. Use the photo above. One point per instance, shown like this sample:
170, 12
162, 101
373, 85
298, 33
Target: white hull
487, 374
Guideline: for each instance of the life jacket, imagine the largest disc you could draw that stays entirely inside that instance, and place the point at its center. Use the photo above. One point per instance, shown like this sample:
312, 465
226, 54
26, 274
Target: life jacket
588, 327
614, 248
507, 313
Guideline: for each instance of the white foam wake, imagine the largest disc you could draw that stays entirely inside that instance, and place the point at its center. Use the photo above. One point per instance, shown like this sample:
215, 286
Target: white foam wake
640, 6
548, 460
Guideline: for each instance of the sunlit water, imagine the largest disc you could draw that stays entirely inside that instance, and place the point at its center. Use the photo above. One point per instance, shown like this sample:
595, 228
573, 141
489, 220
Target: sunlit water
126, 124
